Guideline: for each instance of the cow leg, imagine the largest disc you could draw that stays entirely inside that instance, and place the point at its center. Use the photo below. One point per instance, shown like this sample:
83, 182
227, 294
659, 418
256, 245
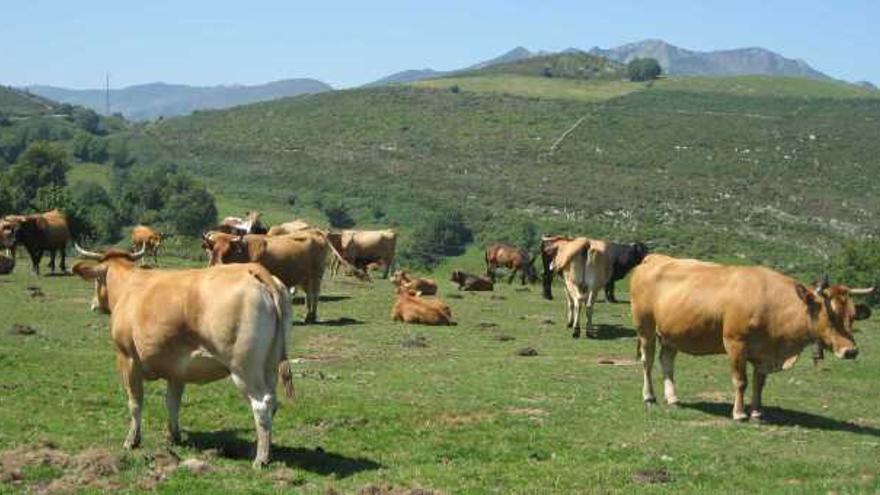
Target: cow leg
134, 386
570, 315
667, 361
312, 296
173, 395
52, 261
647, 344
262, 402
737, 354
591, 300
512, 276
64, 259
609, 292
757, 391
36, 256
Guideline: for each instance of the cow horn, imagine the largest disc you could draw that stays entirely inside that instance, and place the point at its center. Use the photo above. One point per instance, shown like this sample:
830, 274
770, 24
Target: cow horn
91, 255
139, 254
861, 292
823, 283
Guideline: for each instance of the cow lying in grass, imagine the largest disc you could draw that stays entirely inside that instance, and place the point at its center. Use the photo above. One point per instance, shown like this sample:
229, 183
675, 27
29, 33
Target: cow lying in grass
467, 281
410, 308
419, 286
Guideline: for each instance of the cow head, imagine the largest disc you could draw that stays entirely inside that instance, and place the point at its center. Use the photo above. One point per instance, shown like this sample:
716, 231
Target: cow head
225, 248
12, 228
458, 277
97, 270
833, 312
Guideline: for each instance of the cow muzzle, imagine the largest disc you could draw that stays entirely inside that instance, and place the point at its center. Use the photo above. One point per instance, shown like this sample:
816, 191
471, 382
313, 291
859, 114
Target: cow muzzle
849, 353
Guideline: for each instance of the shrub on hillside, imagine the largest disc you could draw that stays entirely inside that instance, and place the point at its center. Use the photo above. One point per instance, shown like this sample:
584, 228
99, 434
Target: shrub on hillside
43, 164
89, 148
437, 236
857, 264
643, 69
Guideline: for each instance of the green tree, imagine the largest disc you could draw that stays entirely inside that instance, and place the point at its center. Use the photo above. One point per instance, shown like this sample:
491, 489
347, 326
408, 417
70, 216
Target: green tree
89, 148
98, 210
438, 236
43, 164
87, 120
643, 69
857, 264
190, 212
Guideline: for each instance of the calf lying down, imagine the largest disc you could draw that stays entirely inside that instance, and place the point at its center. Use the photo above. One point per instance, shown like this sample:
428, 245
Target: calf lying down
410, 308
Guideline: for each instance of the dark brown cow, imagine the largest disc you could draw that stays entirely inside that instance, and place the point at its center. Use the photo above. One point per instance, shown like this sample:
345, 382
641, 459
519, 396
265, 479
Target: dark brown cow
514, 259
467, 281
38, 233
751, 313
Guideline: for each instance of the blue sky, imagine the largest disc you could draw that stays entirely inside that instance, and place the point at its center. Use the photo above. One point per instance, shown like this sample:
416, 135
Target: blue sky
73, 43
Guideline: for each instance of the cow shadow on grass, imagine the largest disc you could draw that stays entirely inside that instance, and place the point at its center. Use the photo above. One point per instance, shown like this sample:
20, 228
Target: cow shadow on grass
302, 299
612, 332
342, 321
228, 444
778, 416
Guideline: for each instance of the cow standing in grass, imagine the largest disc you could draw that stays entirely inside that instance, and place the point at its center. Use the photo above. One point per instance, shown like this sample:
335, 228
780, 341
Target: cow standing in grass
514, 259
753, 314
38, 233
585, 268
194, 326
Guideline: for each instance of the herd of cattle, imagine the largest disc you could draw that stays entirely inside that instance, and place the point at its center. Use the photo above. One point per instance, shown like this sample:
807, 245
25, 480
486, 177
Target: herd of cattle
232, 318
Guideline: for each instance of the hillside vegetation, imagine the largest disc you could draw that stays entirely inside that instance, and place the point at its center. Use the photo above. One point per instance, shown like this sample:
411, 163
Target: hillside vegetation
695, 166
14, 102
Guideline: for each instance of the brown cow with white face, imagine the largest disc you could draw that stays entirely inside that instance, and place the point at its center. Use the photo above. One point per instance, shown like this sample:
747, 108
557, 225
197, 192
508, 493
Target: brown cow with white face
751, 313
38, 233
194, 326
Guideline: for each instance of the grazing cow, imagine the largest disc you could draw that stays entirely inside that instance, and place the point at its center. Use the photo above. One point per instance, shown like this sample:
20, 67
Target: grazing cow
365, 246
251, 224
420, 286
289, 228
751, 313
38, 232
585, 269
144, 237
194, 326
411, 308
298, 260
514, 259
624, 257
467, 281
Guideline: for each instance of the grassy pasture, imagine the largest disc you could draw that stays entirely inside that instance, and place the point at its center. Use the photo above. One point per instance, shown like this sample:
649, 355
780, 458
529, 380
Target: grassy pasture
463, 414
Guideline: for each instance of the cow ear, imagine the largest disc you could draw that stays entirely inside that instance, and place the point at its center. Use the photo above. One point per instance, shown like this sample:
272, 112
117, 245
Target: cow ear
806, 295
89, 271
863, 312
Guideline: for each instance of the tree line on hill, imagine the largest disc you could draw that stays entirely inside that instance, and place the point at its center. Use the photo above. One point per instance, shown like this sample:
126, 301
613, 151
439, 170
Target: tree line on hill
36, 155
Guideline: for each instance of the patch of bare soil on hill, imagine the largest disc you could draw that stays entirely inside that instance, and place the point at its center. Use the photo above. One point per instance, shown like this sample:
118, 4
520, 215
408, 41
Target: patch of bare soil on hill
94, 468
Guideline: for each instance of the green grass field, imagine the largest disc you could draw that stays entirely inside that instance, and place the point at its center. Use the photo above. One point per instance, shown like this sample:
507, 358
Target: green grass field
462, 414
535, 86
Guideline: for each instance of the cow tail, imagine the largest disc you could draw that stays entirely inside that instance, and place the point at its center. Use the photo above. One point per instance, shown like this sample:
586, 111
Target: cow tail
281, 298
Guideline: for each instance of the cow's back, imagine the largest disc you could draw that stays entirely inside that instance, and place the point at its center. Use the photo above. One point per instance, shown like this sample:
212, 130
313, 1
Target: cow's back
53, 229
296, 258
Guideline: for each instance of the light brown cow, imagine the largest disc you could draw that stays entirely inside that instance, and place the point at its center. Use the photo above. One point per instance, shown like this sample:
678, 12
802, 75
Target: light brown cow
147, 238
38, 232
419, 286
751, 313
361, 247
291, 227
194, 326
410, 308
298, 260
585, 269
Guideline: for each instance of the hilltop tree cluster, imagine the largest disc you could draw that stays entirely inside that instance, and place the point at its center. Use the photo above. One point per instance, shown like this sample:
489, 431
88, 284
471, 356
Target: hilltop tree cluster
643, 69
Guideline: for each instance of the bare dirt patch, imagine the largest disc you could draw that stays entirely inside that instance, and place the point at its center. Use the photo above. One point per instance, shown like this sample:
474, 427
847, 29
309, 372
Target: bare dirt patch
94, 468
652, 476
387, 489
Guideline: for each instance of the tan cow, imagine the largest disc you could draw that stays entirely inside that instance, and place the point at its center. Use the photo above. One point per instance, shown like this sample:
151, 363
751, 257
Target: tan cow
194, 326
291, 227
411, 308
147, 238
362, 247
419, 286
585, 268
38, 232
751, 313
298, 260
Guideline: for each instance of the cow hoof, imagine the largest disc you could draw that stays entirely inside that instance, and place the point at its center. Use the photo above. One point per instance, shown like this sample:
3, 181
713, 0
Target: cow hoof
131, 444
575, 335
259, 464
650, 403
672, 401
740, 416
756, 416
310, 319
591, 335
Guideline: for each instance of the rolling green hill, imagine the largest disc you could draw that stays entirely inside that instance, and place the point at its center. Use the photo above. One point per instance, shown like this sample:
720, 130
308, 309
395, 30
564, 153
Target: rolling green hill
19, 103
779, 174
